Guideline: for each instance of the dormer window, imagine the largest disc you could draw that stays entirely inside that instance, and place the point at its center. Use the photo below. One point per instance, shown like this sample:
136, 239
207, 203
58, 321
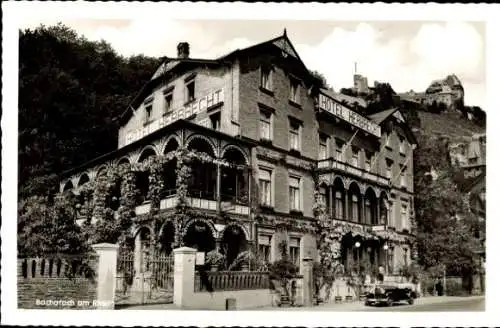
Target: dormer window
266, 78
190, 88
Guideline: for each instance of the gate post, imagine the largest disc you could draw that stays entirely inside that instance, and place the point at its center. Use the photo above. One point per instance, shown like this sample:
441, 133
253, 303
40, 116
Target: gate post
184, 262
308, 284
106, 275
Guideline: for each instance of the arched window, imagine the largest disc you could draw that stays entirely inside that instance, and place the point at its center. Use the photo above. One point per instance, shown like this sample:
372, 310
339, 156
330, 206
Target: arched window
339, 202
143, 176
170, 170
355, 204
204, 175
354, 208
323, 197
234, 180
339, 205
370, 207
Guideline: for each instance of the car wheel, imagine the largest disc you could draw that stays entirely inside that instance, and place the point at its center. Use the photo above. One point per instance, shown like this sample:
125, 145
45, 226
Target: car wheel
410, 301
389, 302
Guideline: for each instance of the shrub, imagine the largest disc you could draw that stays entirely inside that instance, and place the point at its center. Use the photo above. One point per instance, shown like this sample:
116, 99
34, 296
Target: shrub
215, 258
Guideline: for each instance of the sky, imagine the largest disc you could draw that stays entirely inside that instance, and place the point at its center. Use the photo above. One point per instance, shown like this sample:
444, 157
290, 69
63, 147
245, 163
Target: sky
407, 54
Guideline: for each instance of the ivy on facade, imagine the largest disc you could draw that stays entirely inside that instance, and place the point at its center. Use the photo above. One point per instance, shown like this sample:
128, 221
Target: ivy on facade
96, 195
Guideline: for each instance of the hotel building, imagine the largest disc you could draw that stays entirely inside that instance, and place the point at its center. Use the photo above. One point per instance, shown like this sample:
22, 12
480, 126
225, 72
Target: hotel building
271, 148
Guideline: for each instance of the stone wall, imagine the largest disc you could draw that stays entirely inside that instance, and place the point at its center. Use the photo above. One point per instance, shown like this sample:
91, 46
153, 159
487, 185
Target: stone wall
42, 283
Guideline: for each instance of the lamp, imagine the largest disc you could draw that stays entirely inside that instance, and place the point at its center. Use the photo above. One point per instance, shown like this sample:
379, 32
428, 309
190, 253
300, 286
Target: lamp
386, 249
357, 245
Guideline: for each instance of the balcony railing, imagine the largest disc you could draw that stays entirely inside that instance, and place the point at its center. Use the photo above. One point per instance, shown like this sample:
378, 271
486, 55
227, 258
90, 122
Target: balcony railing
333, 164
197, 199
233, 280
362, 225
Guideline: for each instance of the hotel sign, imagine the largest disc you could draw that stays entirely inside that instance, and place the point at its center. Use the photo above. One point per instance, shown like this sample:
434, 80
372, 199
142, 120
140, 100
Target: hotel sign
198, 106
328, 104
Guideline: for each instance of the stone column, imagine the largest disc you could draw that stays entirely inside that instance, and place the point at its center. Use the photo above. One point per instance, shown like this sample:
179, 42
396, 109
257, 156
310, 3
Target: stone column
308, 285
106, 275
346, 206
377, 210
184, 274
138, 254
362, 208
331, 204
217, 186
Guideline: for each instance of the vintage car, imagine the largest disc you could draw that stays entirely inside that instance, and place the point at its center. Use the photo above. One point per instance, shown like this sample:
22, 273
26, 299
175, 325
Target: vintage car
388, 295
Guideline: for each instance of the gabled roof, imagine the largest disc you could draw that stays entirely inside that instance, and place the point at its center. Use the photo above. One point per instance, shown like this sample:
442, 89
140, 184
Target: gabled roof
282, 42
382, 116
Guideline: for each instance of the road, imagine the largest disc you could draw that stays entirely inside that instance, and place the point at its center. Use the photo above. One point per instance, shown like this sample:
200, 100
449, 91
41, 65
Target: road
470, 305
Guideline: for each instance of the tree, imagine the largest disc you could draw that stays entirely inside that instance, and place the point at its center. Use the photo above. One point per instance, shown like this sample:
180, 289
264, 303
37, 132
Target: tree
70, 93
445, 228
322, 78
46, 226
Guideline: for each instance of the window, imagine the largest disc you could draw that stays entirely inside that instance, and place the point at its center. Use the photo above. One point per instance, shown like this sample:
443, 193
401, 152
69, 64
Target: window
323, 146
190, 88
391, 220
322, 196
368, 211
339, 150
149, 109
368, 161
266, 78
294, 136
403, 176
265, 126
401, 145
404, 216
294, 90
265, 248
294, 193
388, 168
215, 121
168, 102
339, 205
355, 157
265, 187
294, 248
354, 208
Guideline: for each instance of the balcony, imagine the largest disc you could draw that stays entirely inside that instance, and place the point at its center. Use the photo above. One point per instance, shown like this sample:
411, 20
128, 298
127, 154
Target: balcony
199, 200
332, 164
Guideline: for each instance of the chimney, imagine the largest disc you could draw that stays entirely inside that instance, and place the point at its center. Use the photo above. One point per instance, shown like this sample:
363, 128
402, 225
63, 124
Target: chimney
183, 50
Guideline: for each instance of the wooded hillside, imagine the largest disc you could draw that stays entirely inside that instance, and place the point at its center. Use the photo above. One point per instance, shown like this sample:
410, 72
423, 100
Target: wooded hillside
70, 91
